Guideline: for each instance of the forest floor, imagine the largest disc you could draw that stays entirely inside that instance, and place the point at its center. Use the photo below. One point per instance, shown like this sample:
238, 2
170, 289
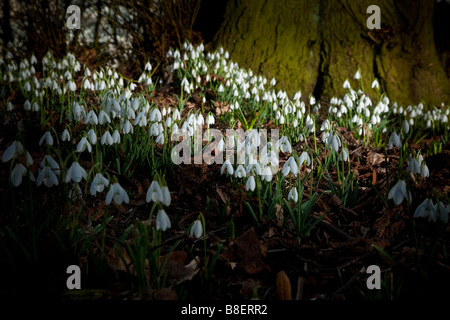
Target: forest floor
239, 256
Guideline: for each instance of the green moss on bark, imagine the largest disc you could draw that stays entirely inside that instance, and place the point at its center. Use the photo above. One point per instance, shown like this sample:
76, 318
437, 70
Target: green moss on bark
313, 46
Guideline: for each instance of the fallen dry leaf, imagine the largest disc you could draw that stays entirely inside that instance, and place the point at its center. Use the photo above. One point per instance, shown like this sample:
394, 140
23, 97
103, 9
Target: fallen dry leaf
249, 251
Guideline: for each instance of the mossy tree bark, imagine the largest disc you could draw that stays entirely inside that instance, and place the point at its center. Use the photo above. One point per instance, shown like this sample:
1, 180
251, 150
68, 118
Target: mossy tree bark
313, 46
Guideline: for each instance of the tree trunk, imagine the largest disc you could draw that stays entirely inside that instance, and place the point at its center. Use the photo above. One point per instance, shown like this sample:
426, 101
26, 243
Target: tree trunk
314, 46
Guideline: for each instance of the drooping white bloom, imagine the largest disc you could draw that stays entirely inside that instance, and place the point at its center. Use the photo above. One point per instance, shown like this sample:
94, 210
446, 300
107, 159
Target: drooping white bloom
65, 135
160, 138
343, 156
325, 125
196, 229
304, 157
155, 115
47, 136
117, 193
75, 173
357, 75
346, 84
107, 139
394, 140
240, 172
413, 166
284, 144
162, 221
210, 119
17, 174
91, 118
98, 184
266, 174
424, 172
442, 212
405, 125
375, 84
15, 150
116, 136
92, 136
166, 196
103, 117
227, 167
426, 209
293, 195
333, 141
48, 161
83, 145
47, 176
250, 185
155, 193
290, 166
399, 192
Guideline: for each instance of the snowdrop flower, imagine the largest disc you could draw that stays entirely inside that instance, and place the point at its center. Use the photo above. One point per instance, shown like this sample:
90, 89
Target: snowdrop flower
424, 172
333, 141
210, 119
107, 139
154, 193
98, 184
227, 167
346, 84
15, 150
293, 195
325, 136
92, 136
116, 136
394, 140
17, 174
103, 117
75, 173
162, 221
47, 136
117, 193
399, 192
160, 138
312, 100
284, 144
266, 174
65, 135
426, 209
78, 111
325, 125
240, 172
290, 166
413, 166
155, 115
83, 145
127, 127
47, 176
166, 196
86, 84
357, 75
405, 125
196, 229
250, 185
48, 161
442, 211
140, 119
91, 118
375, 84
304, 157
254, 168
343, 156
